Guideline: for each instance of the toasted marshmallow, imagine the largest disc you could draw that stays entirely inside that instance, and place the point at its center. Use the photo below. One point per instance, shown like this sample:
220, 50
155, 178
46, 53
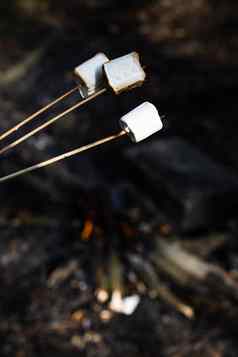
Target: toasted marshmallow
141, 122
124, 73
91, 75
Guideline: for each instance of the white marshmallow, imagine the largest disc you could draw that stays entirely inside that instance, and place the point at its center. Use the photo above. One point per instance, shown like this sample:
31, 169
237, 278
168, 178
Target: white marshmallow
141, 122
91, 74
124, 73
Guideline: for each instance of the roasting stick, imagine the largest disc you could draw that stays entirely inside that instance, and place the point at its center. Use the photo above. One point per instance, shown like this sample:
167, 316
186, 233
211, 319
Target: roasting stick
139, 124
63, 156
36, 114
51, 121
90, 78
121, 74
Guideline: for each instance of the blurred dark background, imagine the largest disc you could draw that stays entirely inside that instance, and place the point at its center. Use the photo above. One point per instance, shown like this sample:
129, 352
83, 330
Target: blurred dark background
180, 184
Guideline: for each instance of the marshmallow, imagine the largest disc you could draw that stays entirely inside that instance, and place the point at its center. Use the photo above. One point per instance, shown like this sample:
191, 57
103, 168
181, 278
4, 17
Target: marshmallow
124, 73
141, 122
91, 75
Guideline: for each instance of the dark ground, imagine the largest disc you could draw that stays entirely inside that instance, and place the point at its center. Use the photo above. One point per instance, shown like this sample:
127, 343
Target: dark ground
115, 217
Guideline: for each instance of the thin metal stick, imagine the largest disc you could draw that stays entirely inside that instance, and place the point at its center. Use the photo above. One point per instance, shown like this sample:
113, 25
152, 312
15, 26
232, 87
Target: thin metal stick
63, 156
51, 121
36, 114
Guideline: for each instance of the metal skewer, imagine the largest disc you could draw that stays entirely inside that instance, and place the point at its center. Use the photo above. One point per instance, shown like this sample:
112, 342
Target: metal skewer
139, 124
51, 121
63, 156
90, 78
37, 113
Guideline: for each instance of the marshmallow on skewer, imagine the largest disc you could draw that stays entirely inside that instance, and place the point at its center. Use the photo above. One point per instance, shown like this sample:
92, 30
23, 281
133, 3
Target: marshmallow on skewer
91, 75
141, 122
124, 73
